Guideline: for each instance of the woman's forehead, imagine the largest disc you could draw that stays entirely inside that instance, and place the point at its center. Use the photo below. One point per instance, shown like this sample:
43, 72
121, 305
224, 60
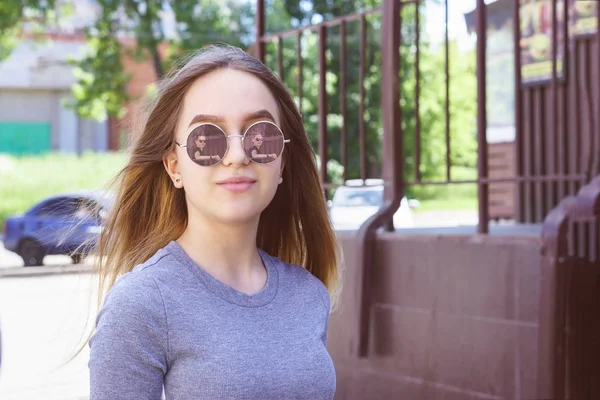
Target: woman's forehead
229, 96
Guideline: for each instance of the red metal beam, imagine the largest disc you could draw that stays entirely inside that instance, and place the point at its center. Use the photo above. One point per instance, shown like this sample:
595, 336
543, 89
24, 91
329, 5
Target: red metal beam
299, 63
323, 102
259, 20
361, 112
482, 159
417, 96
392, 167
343, 103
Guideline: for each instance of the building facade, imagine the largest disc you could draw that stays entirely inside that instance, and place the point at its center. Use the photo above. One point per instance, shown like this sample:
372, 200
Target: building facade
35, 81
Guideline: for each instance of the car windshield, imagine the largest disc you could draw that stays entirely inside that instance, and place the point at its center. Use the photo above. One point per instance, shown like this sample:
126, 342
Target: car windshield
358, 198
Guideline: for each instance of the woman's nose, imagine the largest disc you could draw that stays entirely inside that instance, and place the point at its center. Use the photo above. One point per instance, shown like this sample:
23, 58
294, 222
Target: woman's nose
236, 153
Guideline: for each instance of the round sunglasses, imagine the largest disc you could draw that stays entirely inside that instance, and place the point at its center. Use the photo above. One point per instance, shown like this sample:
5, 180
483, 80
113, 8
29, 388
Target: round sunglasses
207, 144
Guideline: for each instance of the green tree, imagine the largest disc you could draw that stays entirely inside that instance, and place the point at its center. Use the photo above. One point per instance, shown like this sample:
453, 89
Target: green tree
12, 15
293, 13
100, 90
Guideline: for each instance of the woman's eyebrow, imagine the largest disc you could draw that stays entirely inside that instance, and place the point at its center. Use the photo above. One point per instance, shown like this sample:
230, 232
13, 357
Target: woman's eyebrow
205, 118
260, 114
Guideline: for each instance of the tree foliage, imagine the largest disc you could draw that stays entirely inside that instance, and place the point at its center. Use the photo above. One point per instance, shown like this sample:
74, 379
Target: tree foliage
101, 86
12, 15
101, 82
432, 96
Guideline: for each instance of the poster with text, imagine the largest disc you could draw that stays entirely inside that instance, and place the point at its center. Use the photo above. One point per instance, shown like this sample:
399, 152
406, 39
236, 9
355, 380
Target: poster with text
536, 41
583, 15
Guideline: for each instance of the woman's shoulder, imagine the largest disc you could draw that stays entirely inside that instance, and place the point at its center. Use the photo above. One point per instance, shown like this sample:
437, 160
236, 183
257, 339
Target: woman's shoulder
142, 285
299, 277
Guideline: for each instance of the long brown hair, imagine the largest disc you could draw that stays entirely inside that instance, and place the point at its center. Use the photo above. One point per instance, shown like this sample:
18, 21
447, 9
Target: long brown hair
149, 211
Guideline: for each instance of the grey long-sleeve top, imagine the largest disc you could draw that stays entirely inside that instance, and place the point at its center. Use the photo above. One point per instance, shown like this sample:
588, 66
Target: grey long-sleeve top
169, 325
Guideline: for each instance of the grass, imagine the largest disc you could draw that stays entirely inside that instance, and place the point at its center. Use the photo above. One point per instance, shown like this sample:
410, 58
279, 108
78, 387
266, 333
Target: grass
26, 180
465, 203
448, 197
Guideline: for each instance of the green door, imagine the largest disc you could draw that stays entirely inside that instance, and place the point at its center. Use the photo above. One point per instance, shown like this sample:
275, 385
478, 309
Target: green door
22, 138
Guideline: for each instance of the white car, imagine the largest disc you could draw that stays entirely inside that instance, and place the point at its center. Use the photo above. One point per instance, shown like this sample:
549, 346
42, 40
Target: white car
354, 203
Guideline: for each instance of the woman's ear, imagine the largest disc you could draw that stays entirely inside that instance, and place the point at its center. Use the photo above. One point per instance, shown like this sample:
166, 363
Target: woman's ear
171, 164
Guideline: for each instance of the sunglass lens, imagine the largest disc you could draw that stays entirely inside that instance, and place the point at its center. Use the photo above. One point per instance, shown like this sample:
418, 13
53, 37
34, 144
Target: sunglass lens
206, 145
263, 142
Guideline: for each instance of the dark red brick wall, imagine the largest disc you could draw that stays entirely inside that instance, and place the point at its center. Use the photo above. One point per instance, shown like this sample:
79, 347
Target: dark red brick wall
142, 74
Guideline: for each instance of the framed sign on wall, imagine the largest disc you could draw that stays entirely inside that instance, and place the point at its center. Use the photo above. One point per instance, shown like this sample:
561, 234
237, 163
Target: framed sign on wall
536, 24
583, 18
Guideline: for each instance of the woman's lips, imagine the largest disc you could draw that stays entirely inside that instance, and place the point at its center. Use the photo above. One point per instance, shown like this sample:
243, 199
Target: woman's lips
237, 184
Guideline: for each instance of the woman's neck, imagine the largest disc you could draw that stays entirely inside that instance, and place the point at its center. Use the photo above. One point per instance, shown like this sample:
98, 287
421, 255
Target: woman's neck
226, 251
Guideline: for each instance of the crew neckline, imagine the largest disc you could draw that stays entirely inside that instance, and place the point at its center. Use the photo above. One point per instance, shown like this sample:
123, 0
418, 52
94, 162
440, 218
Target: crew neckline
223, 290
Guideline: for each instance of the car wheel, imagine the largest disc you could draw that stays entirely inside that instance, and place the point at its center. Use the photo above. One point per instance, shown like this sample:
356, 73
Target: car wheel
32, 253
77, 258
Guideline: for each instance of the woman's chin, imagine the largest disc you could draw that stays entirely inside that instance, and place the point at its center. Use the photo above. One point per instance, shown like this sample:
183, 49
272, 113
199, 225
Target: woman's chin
239, 214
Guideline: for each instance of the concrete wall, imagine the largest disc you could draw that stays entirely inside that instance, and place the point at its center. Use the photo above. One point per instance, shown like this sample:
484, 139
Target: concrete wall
40, 65
69, 133
453, 318
33, 82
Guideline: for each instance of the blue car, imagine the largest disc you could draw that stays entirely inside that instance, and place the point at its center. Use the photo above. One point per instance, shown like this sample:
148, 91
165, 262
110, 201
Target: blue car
63, 224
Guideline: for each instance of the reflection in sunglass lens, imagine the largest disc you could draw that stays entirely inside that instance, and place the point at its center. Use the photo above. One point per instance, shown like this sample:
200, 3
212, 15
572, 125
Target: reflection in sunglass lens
207, 145
263, 142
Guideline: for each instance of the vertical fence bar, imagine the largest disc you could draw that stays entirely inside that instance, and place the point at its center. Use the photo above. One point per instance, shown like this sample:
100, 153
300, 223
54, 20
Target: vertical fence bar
570, 141
417, 95
323, 102
596, 146
563, 142
527, 134
343, 105
299, 64
280, 57
447, 72
575, 153
392, 168
551, 164
361, 112
519, 206
587, 111
259, 21
482, 159
539, 153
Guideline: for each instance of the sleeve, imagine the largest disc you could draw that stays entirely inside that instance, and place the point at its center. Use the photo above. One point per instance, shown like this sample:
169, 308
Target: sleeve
129, 349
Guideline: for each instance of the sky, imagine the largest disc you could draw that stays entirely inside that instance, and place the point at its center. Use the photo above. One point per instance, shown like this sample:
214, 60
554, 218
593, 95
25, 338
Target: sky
457, 29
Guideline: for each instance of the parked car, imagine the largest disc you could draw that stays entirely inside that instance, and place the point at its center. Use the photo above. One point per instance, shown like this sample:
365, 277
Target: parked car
57, 225
356, 201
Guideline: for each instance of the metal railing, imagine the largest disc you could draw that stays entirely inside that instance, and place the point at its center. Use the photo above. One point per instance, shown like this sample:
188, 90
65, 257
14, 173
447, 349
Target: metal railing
569, 298
557, 143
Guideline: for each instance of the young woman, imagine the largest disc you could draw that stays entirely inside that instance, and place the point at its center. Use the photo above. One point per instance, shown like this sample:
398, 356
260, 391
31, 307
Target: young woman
220, 272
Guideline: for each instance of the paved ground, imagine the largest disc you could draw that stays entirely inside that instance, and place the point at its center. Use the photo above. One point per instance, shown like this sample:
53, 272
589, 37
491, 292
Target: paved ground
10, 259
42, 319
